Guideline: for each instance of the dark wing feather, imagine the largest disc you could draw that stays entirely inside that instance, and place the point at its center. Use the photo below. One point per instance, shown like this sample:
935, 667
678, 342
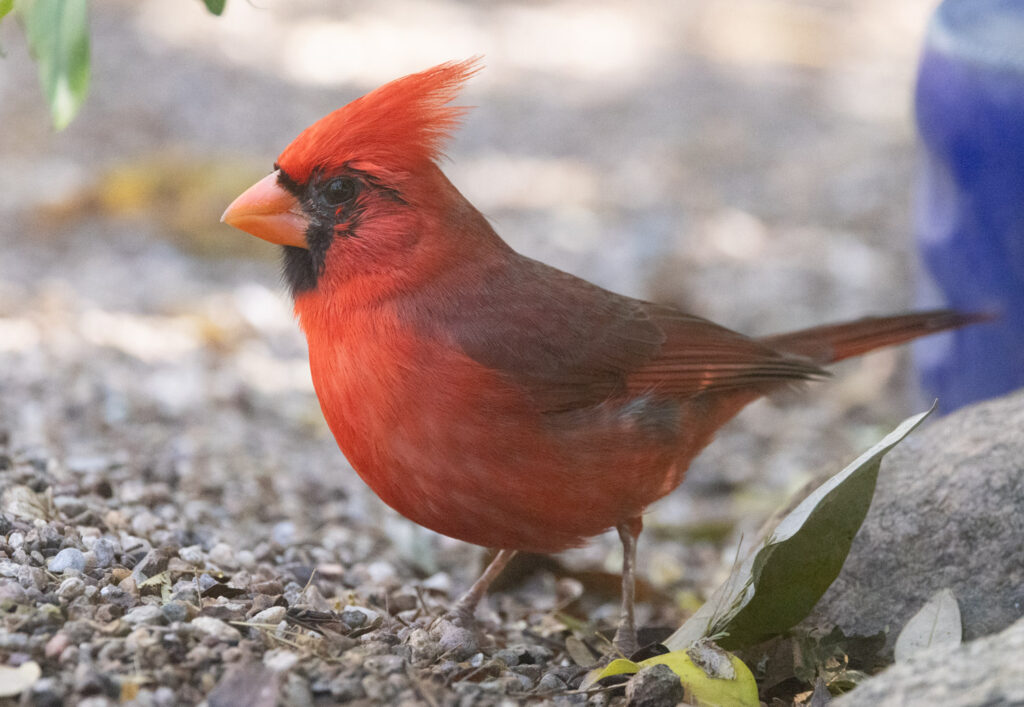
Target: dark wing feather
571, 344
699, 356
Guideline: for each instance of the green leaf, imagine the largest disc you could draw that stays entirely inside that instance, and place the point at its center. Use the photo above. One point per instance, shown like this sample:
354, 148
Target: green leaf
5, 7
215, 6
777, 585
58, 37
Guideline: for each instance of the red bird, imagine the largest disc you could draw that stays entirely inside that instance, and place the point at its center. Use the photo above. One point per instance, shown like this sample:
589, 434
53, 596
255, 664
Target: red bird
482, 394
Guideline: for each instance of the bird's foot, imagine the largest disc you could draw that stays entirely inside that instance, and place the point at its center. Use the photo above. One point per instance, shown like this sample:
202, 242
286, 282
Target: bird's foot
456, 634
463, 612
625, 642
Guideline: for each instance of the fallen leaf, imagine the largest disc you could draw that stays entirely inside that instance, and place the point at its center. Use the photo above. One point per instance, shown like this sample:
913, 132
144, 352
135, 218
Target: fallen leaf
14, 681
712, 676
23, 502
619, 666
937, 623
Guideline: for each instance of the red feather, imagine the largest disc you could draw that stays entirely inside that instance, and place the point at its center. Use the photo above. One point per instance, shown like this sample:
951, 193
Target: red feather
389, 131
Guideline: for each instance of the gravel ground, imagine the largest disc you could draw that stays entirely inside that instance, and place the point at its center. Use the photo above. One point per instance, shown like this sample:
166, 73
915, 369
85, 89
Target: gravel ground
178, 524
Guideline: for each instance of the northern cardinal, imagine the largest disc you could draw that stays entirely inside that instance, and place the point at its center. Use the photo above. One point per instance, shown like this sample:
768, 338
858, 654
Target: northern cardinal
482, 394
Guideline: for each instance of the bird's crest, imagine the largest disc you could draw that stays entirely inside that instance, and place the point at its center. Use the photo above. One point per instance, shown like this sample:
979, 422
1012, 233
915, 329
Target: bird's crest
390, 130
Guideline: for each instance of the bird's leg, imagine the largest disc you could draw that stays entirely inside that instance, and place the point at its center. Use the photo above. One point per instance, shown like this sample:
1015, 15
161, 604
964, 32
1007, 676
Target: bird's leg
625, 636
465, 607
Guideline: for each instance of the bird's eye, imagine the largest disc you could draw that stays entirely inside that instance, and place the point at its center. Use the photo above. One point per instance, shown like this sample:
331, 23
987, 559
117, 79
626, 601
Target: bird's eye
339, 190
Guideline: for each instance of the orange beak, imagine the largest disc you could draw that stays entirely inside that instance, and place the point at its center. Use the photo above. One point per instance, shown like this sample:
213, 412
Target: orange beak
268, 211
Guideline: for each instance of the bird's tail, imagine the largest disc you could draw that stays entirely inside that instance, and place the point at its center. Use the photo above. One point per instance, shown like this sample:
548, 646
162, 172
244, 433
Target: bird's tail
834, 342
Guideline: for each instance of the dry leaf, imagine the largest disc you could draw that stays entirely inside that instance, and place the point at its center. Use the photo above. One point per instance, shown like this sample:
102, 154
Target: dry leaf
14, 681
936, 624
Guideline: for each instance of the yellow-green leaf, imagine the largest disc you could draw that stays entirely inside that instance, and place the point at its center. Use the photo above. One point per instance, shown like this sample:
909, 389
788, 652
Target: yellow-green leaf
712, 677
619, 666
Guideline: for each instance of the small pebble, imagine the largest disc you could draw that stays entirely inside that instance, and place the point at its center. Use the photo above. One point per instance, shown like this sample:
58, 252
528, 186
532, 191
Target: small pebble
175, 611
223, 555
654, 686
57, 644
12, 642
424, 648
103, 551
68, 558
283, 533
193, 554
458, 642
357, 616
246, 558
145, 523
186, 592
440, 582
217, 628
48, 692
144, 614
116, 596
280, 660
11, 591
71, 588
531, 672
385, 664
551, 683
273, 615
206, 582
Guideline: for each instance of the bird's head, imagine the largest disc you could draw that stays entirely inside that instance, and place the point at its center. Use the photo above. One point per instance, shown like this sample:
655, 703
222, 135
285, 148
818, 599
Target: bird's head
358, 194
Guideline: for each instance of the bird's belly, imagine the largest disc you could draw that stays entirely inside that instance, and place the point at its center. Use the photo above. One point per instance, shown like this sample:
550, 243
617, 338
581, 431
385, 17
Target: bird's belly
450, 445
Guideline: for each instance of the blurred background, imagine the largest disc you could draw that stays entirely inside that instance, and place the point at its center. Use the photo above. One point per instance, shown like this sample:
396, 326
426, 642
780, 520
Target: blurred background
747, 160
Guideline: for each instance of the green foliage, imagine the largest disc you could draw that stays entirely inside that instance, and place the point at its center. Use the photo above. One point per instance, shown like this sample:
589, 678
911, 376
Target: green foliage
58, 38
778, 584
215, 6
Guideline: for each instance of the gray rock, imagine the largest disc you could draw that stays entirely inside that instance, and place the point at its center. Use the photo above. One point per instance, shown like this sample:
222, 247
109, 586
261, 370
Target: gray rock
71, 588
11, 591
192, 554
144, 614
271, 615
655, 686
250, 684
984, 672
948, 512
68, 558
151, 564
103, 552
551, 683
118, 597
453, 640
175, 611
217, 628
223, 555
